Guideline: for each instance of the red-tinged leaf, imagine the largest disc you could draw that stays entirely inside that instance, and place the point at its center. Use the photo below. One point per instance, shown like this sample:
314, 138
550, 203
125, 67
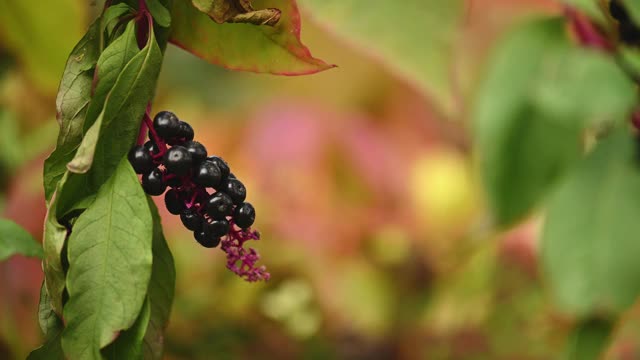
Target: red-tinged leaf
263, 49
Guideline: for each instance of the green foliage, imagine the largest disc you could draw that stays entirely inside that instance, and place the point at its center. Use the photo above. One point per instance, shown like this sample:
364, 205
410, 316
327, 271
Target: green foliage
589, 247
14, 240
415, 39
590, 7
539, 95
265, 49
110, 261
589, 339
634, 9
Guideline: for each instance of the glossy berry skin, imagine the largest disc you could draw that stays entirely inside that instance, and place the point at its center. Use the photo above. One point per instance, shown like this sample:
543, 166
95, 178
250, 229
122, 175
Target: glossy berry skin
152, 183
174, 182
178, 160
173, 202
151, 147
244, 215
185, 131
207, 174
191, 219
222, 165
166, 124
205, 239
140, 159
197, 150
235, 189
219, 206
216, 228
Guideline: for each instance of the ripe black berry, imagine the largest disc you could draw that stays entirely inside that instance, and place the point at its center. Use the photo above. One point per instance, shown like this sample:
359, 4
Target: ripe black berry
205, 239
140, 159
185, 131
166, 124
219, 206
191, 219
207, 174
151, 147
178, 160
152, 183
198, 151
222, 165
235, 189
173, 202
244, 215
216, 228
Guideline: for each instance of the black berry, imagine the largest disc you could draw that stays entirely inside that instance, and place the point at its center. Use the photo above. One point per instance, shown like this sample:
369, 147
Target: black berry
217, 228
152, 183
178, 160
244, 215
207, 175
219, 206
151, 147
140, 159
191, 219
222, 165
198, 151
205, 239
173, 202
174, 181
185, 131
166, 124
235, 189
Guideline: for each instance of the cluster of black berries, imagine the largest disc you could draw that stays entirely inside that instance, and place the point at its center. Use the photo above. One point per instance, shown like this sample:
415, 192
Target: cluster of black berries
628, 31
185, 168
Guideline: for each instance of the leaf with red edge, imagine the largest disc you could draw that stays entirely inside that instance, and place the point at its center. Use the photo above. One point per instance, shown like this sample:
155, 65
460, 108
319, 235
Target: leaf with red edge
263, 49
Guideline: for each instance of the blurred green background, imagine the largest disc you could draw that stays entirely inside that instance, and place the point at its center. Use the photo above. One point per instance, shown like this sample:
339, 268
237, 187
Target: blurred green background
372, 221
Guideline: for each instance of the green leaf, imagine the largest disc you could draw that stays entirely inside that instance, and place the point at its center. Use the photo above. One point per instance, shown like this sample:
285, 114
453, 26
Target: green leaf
53, 242
414, 38
121, 120
589, 7
590, 250
589, 339
51, 327
128, 345
111, 64
47, 318
51, 350
540, 93
237, 11
112, 14
160, 13
110, 259
264, 49
42, 36
14, 240
161, 289
71, 105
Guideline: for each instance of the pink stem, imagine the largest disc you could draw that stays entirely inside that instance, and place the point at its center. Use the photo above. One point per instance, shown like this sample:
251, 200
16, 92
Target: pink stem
587, 33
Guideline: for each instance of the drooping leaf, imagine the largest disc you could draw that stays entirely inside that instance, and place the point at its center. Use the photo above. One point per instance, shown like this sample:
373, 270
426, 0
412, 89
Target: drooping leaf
110, 259
51, 350
161, 289
414, 38
160, 13
53, 242
540, 93
128, 345
42, 36
589, 339
47, 318
589, 244
14, 240
121, 118
110, 65
265, 49
71, 105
